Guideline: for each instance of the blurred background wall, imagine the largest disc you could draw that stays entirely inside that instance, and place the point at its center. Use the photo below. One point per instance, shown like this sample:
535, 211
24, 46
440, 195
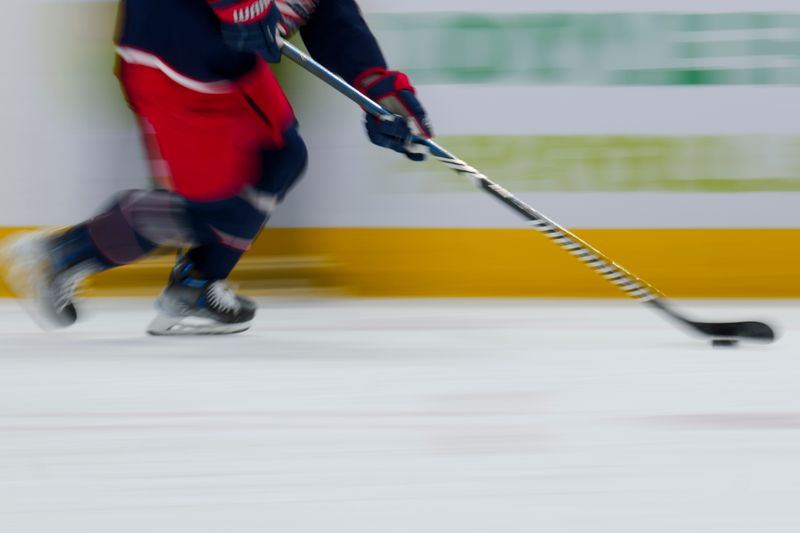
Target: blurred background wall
666, 132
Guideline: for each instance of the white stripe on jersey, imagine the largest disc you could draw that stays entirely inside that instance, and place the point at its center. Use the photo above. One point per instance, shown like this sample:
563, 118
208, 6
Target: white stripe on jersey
140, 57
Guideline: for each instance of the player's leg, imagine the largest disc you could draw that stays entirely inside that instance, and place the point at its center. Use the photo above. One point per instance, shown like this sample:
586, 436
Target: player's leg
281, 168
208, 148
225, 231
197, 299
44, 268
244, 141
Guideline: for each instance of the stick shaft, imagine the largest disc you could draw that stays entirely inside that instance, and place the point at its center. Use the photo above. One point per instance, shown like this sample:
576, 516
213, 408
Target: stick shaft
583, 251
315, 68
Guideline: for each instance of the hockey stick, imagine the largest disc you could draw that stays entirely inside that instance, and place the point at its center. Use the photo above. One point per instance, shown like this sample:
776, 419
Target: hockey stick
584, 252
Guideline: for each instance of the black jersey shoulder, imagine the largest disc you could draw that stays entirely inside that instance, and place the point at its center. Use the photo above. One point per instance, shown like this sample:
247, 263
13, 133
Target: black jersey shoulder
186, 35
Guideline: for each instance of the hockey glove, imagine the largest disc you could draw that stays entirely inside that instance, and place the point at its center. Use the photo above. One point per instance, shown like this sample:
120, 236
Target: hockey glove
261, 25
393, 91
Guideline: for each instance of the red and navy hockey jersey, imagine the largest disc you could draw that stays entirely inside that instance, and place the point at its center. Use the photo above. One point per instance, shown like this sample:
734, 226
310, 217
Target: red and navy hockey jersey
186, 36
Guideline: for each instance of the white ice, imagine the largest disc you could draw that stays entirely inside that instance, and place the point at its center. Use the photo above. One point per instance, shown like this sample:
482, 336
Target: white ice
390, 416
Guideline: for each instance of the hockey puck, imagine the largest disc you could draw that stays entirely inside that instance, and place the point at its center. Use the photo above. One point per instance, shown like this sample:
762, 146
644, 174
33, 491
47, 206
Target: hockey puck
725, 343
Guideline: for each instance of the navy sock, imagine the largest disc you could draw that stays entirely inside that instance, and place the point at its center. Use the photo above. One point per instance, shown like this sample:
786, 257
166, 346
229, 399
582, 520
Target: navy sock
75, 246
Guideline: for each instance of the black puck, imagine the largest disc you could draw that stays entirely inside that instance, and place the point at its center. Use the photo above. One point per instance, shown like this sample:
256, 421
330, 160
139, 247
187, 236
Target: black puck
724, 343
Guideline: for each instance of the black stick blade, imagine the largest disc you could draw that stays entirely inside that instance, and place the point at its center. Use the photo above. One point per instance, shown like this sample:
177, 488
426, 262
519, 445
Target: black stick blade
758, 331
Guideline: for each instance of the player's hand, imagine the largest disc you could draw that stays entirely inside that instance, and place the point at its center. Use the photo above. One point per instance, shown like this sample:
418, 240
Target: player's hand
393, 132
394, 91
261, 25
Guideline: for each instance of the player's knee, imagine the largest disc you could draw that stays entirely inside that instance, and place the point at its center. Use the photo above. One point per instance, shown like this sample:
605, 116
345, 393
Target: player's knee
282, 168
135, 223
296, 152
155, 216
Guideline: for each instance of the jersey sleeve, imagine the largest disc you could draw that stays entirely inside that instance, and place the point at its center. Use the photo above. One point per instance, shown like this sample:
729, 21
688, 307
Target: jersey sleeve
338, 37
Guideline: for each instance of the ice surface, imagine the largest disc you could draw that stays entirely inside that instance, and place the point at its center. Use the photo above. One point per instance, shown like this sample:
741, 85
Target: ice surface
400, 416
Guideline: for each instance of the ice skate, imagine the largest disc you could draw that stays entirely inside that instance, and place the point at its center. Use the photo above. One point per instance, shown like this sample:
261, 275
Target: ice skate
192, 306
30, 272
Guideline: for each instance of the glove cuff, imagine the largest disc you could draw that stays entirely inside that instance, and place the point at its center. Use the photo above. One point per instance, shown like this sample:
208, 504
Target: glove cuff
368, 81
368, 76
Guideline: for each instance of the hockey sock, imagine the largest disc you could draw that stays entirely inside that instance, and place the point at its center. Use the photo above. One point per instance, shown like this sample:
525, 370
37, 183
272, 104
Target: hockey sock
224, 230
74, 247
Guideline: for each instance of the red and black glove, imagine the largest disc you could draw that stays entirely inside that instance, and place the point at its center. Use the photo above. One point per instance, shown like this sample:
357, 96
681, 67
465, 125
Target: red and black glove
394, 91
261, 25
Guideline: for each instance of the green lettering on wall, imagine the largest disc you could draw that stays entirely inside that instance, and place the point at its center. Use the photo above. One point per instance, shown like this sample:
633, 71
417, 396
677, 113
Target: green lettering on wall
595, 49
620, 164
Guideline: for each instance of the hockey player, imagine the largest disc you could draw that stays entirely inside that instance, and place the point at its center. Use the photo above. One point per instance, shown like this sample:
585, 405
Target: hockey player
223, 145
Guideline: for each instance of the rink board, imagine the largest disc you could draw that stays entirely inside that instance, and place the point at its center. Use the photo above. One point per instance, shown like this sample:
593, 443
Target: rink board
457, 262
673, 121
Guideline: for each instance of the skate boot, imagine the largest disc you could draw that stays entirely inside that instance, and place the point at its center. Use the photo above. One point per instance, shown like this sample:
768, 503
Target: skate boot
194, 306
45, 290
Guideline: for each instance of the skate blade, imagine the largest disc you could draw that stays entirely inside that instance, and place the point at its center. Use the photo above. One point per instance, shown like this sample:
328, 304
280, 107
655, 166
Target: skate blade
171, 326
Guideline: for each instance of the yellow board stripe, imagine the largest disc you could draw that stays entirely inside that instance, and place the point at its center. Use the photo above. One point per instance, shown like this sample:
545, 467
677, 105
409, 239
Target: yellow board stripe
382, 262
